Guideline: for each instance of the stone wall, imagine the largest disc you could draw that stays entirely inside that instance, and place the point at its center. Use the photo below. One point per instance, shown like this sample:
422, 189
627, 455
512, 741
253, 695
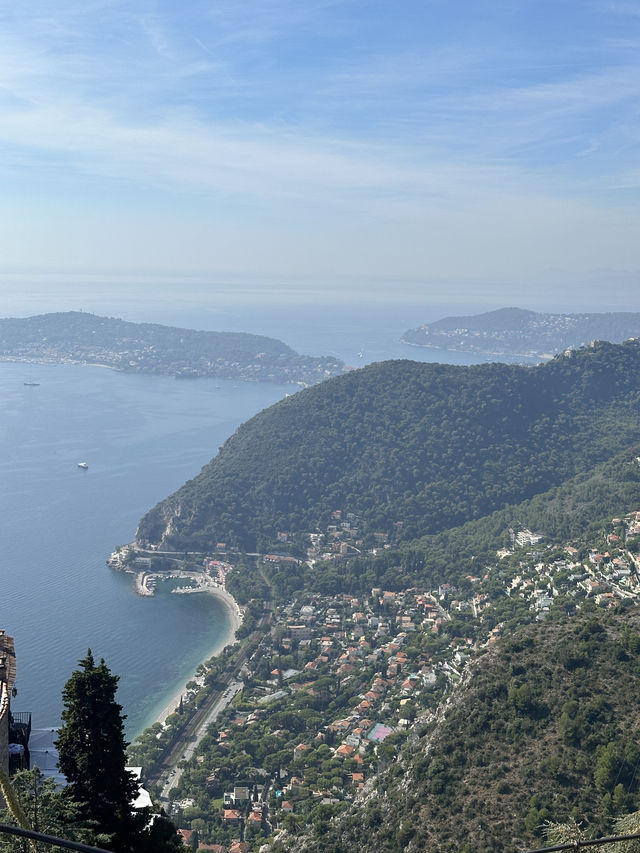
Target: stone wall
4, 727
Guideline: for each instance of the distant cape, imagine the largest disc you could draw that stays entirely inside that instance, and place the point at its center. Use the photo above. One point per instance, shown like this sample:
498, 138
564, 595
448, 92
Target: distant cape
518, 333
151, 348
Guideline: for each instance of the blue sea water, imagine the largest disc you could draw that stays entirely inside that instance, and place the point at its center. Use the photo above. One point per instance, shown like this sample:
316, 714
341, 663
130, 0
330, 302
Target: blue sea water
142, 437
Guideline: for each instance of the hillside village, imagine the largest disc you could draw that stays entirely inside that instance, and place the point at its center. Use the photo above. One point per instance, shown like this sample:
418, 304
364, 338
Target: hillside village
82, 338
340, 681
519, 333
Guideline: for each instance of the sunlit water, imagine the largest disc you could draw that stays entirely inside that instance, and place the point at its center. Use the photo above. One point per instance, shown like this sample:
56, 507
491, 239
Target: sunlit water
142, 438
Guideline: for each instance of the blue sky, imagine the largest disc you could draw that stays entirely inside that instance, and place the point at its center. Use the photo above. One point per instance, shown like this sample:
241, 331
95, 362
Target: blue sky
304, 149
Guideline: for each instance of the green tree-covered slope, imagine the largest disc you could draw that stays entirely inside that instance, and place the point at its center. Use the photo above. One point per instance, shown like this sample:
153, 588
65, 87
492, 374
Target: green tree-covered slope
578, 513
516, 332
152, 348
427, 445
543, 727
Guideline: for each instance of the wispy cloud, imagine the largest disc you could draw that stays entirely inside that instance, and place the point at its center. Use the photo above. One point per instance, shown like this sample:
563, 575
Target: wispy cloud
626, 9
423, 135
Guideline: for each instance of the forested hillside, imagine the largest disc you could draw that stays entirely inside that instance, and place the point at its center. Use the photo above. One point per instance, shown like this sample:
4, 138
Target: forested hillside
544, 728
409, 449
578, 512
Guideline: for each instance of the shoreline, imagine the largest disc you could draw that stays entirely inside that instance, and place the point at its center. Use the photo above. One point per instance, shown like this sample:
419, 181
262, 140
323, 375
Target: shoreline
235, 618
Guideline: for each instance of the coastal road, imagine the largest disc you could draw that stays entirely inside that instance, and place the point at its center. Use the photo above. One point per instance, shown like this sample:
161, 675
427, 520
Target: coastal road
174, 774
231, 684
196, 728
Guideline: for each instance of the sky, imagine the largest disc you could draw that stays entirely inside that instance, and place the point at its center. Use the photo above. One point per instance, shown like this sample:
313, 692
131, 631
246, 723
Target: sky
301, 150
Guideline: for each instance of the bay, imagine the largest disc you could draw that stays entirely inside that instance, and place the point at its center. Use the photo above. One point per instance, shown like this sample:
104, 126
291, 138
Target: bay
142, 437
357, 333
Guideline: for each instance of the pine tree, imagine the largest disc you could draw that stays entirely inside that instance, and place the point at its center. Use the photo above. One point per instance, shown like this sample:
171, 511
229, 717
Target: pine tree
92, 751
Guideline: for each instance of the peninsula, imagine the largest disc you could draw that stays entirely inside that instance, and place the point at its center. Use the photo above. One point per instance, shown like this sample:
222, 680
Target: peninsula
526, 335
78, 337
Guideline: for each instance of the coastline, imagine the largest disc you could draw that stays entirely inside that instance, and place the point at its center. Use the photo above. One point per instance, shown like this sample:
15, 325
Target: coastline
235, 620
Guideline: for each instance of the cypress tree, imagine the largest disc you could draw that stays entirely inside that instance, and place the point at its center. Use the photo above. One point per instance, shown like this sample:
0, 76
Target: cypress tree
92, 751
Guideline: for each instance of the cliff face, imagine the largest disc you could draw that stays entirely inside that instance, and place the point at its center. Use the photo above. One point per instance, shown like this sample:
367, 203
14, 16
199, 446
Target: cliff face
159, 527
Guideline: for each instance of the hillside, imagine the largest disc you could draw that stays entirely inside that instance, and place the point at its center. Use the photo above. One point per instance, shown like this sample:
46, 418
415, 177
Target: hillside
151, 348
528, 334
457, 718
576, 512
543, 727
408, 449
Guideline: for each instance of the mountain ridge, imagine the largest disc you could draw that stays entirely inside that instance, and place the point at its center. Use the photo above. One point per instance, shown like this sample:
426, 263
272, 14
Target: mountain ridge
429, 446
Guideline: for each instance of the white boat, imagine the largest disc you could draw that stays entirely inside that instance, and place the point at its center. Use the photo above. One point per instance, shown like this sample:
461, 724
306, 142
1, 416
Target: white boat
83, 465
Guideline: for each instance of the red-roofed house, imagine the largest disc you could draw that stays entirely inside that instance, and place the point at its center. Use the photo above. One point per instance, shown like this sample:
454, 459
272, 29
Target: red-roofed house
231, 816
189, 838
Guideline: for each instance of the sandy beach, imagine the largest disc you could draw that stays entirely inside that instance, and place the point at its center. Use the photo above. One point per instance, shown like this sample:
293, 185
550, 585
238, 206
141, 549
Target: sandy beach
235, 619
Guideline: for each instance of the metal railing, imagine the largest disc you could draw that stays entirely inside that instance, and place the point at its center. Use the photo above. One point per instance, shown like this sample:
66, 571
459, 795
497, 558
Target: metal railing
592, 842
6, 829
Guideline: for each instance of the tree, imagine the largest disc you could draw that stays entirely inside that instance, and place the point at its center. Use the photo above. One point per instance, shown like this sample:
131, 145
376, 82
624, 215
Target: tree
92, 753
43, 809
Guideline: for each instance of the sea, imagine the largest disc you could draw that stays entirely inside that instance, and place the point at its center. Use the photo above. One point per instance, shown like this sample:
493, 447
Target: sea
142, 437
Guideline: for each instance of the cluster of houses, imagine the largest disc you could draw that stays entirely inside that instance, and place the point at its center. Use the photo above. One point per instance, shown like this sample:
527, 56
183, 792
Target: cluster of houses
374, 643
608, 575
344, 538
396, 650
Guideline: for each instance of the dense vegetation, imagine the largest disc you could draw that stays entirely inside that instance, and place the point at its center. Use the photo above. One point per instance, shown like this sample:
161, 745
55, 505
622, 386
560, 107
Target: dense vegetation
449, 463
410, 449
546, 729
578, 511
515, 332
152, 348
95, 805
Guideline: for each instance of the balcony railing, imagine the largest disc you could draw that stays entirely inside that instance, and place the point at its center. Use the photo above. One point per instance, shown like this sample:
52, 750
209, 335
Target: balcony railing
20, 727
5, 829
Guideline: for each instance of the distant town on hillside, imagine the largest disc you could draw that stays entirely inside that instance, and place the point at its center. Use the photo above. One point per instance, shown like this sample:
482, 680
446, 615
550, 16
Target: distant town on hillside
529, 335
75, 336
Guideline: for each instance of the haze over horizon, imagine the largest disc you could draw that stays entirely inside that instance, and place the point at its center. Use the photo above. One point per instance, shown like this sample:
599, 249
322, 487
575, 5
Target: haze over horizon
335, 150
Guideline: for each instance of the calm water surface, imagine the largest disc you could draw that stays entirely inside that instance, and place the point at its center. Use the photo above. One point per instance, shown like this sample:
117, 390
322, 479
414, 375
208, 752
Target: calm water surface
142, 437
